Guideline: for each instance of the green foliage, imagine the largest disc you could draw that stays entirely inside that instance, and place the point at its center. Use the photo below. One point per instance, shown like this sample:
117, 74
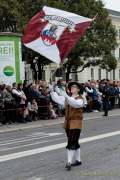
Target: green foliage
109, 62
99, 40
7, 16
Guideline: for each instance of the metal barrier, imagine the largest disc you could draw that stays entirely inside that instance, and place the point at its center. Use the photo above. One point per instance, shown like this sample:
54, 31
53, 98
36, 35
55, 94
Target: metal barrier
43, 112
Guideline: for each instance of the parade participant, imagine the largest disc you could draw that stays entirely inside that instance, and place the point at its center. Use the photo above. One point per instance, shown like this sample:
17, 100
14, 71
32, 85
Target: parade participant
73, 120
104, 89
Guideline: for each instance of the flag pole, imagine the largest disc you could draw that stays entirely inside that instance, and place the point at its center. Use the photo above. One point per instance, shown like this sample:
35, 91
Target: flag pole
95, 17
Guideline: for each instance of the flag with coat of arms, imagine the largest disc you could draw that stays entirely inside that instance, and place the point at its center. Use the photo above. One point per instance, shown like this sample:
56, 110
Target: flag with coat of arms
53, 33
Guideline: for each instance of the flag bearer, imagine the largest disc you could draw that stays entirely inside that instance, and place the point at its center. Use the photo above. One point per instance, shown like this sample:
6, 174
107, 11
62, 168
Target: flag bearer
73, 120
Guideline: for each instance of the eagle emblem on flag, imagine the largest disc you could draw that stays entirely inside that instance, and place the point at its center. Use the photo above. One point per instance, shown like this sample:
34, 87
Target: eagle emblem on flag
49, 36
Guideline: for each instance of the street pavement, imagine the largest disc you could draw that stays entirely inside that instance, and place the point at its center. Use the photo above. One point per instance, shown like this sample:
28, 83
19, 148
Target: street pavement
36, 151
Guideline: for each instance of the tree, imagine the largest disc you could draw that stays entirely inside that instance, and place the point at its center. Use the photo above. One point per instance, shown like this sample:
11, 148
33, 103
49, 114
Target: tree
8, 20
100, 39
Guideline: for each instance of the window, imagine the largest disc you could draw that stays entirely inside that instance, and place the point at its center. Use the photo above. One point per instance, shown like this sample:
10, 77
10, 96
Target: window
113, 52
43, 75
52, 78
92, 73
119, 53
99, 74
113, 74
107, 74
119, 33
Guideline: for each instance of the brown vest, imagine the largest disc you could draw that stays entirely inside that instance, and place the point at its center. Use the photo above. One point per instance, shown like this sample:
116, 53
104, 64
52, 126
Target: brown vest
73, 117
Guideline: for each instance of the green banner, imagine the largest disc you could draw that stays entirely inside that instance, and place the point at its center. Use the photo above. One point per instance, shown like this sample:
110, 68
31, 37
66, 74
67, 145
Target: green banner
10, 58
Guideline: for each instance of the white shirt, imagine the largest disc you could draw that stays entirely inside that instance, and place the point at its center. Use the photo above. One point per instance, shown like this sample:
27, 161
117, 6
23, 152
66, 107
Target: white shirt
75, 103
15, 91
89, 90
20, 94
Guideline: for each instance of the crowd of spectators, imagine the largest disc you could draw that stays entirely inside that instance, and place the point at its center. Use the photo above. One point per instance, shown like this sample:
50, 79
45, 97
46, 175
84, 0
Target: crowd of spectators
21, 103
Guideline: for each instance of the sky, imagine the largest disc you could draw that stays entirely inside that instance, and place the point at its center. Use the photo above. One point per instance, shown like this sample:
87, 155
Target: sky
112, 4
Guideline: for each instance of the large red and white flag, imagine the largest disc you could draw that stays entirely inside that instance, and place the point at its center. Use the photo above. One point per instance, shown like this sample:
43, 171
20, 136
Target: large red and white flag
53, 33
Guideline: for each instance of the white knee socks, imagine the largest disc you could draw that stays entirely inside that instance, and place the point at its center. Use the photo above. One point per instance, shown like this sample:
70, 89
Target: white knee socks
71, 154
78, 155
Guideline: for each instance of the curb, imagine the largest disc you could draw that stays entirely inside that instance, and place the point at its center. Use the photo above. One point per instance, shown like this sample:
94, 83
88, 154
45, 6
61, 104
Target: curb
32, 126
43, 124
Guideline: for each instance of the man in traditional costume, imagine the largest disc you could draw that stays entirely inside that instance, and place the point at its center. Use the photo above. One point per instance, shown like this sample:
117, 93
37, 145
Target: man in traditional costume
73, 120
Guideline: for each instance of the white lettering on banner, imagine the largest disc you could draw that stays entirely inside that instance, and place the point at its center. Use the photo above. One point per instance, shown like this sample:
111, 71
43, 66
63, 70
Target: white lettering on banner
6, 49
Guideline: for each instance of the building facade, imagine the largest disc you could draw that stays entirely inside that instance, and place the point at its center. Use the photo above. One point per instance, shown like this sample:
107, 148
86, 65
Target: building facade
96, 72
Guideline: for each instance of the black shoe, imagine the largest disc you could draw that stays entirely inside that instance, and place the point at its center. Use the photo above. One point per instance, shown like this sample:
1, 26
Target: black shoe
105, 115
10, 122
76, 163
68, 167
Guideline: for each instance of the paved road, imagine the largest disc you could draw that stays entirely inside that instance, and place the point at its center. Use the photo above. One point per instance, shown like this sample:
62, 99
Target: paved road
39, 153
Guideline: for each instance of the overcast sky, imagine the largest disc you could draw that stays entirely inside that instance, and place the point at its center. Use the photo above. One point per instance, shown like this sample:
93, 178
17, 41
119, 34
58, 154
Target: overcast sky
112, 4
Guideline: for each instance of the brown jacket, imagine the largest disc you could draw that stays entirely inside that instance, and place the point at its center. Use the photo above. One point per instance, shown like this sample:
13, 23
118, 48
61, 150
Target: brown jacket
73, 117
